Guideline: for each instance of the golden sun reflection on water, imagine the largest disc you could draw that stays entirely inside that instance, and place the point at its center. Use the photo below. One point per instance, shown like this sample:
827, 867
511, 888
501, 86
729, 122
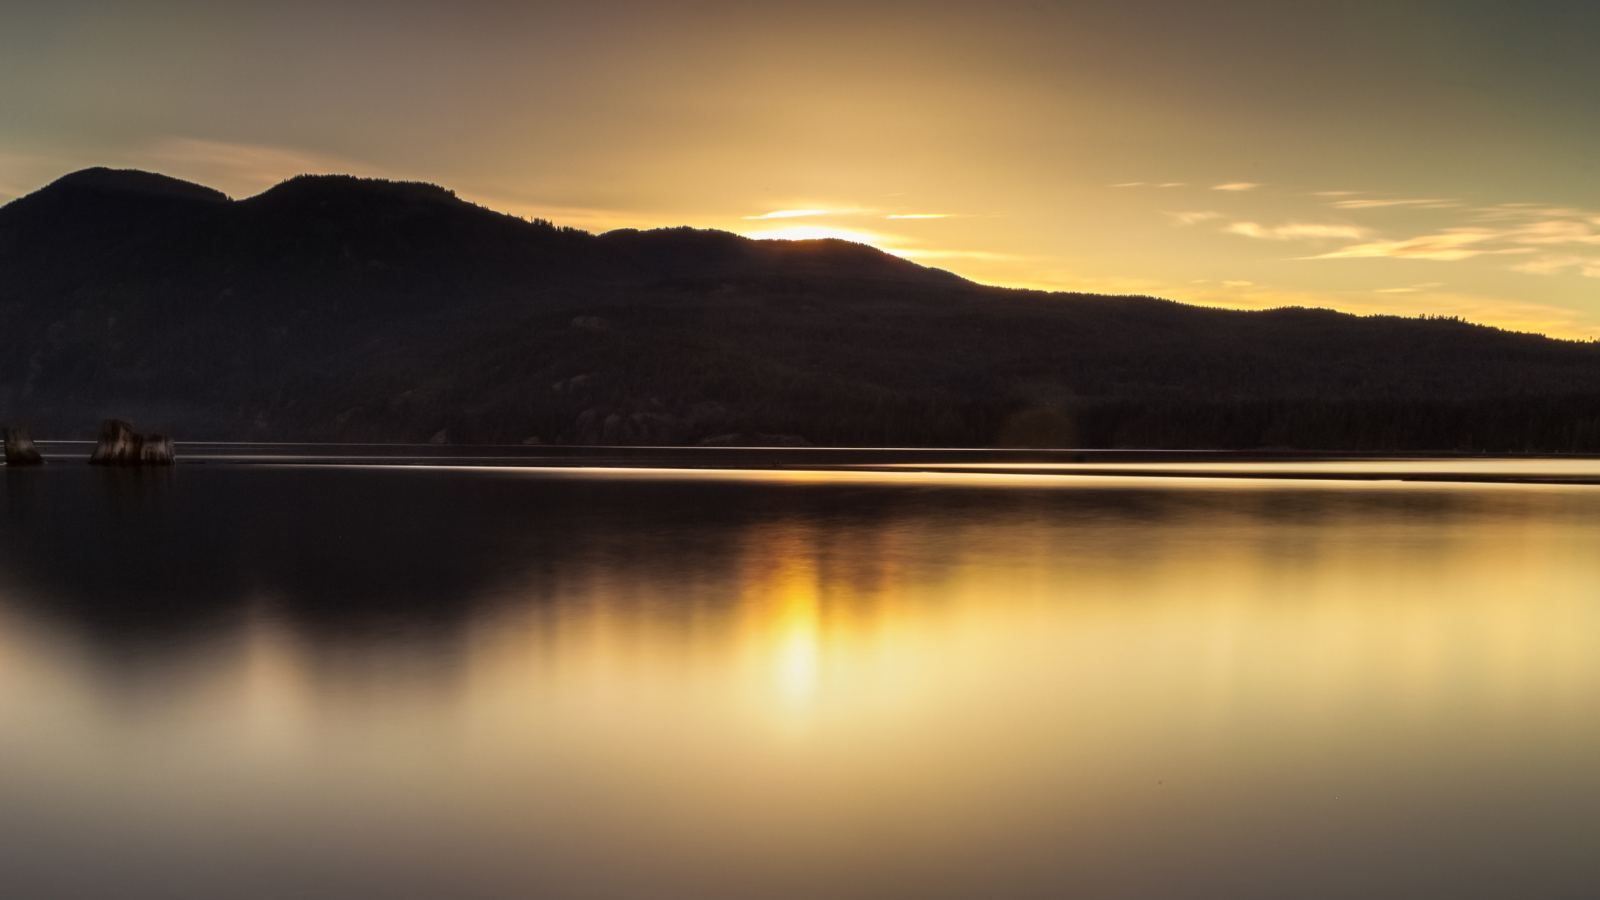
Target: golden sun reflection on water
792, 629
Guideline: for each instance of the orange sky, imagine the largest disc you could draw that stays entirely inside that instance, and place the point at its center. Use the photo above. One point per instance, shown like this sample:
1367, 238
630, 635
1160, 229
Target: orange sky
1428, 160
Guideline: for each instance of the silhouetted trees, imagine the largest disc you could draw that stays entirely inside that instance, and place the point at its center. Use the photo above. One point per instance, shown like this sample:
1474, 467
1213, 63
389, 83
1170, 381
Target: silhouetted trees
336, 308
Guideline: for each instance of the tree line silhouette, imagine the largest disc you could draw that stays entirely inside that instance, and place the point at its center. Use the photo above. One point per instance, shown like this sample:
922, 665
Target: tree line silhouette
336, 308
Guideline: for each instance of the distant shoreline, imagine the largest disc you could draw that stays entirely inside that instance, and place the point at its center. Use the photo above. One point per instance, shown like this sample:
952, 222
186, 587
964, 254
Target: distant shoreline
1034, 465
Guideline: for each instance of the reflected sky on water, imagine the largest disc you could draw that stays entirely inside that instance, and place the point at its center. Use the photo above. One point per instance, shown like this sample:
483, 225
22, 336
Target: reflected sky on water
260, 681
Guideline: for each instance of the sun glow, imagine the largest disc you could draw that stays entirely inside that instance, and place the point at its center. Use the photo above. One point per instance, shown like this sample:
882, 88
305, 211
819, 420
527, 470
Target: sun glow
789, 214
824, 232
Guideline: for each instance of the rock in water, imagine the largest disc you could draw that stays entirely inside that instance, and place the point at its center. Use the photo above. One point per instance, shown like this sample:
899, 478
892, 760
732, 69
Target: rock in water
20, 450
120, 445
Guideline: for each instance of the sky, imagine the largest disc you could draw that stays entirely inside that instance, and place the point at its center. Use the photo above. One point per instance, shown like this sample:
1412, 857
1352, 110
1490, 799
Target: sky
1422, 158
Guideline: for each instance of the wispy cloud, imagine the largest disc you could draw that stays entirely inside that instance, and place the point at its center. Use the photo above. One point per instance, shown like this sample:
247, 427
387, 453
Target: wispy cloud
847, 212
1587, 266
1296, 231
1378, 203
1549, 238
1410, 288
926, 254
1193, 217
1449, 245
1508, 229
850, 212
1514, 211
792, 214
1554, 231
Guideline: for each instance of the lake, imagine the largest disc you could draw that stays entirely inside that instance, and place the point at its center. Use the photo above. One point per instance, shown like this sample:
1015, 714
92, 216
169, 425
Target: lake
308, 673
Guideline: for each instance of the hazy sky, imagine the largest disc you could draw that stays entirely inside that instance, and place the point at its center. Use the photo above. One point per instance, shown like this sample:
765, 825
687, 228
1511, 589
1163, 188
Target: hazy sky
1424, 157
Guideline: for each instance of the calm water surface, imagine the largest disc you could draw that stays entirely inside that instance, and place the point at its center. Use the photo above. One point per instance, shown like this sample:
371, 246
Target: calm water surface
274, 681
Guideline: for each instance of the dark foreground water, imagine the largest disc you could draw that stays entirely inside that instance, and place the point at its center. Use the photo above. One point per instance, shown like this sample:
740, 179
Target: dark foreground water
308, 681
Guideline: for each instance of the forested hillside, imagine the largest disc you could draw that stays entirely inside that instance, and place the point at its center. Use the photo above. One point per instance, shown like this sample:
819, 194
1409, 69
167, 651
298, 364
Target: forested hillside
335, 308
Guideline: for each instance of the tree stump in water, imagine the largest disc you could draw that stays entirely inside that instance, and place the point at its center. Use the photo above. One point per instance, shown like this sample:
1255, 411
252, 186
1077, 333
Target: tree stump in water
20, 450
156, 450
120, 445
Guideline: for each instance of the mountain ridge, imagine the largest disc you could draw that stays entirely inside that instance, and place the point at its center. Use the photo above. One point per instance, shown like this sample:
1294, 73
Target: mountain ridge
337, 307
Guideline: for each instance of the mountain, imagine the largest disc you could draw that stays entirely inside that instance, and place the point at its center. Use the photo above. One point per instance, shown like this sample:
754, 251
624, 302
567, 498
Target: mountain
339, 308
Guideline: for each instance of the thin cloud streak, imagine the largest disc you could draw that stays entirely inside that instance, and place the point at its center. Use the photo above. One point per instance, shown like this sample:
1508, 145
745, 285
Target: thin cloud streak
791, 214
1296, 231
1588, 267
1410, 289
975, 255
1193, 217
1447, 246
1419, 203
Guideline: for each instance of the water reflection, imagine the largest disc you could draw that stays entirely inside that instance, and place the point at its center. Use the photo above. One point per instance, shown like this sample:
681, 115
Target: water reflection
270, 681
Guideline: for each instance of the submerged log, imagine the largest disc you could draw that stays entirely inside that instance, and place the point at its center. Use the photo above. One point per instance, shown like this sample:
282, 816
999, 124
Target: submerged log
20, 450
120, 445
